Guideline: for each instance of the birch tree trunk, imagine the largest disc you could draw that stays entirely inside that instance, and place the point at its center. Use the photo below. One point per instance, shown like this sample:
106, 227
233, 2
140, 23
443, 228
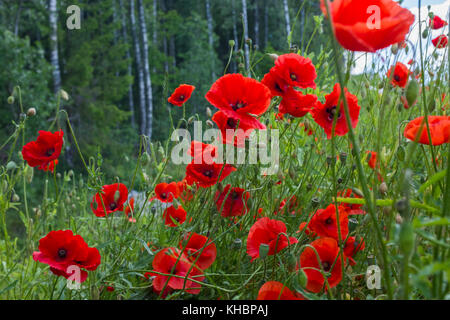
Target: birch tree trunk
147, 76
155, 22
129, 70
16, 24
246, 47
256, 24
54, 59
286, 16
210, 36
266, 23
235, 33
165, 44
138, 58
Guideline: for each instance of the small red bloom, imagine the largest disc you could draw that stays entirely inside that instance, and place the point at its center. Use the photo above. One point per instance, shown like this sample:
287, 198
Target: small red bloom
352, 246
295, 70
324, 222
171, 261
351, 208
181, 95
232, 201
207, 175
437, 23
323, 114
440, 41
234, 92
372, 159
174, 217
297, 104
129, 210
357, 28
166, 192
304, 228
43, 152
199, 249
328, 251
112, 197
401, 75
270, 232
439, 129
202, 152
65, 253
274, 290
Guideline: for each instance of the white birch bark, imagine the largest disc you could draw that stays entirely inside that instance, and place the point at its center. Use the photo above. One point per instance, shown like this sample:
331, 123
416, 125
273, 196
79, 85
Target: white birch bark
54, 58
210, 36
286, 17
246, 47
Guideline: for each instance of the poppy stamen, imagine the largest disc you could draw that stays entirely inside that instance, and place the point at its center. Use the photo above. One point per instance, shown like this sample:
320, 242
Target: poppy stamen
326, 266
50, 152
62, 253
293, 77
113, 206
329, 221
231, 123
238, 105
208, 173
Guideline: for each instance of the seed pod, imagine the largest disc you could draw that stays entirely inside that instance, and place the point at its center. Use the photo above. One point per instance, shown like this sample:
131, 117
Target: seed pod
406, 239
231, 43
302, 278
263, 250
383, 188
10, 99
343, 157
394, 48
237, 243
412, 92
11, 165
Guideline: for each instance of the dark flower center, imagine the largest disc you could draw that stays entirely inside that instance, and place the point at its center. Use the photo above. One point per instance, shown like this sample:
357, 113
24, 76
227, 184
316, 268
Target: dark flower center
163, 195
396, 77
238, 105
326, 266
231, 123
62, 253
208, 173
181, 97
293, 77
113, 206
329, 221
331, 112
50, 152
235, 195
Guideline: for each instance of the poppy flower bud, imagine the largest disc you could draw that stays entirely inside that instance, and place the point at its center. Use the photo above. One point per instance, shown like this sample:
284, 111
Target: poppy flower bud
302, 278
291, 262
430, 14
28, 173
406, 239
383, 188
401, 153
394, 48
237, 243
64, 94
11, 166
273, 56
209, 123
425, 33
231, 43
241, 66
358, 192
116, 196
58, 175
263, 250
432, 105
31, 112
70, 173
339, 181
315, 202
248, 41
15, 198
11, 99
412, 92
343, 157
4, 186
208, 112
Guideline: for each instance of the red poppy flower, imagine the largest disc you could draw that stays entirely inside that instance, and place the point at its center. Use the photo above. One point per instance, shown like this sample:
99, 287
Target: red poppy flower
174, 217
62, 251
357, 28
199, 249
304, 228
235, 201
323, 114
129, 209
297, 104
439, 129
44, 151
236, 127
166, 192
181, 95
172, 262
276, 85
351, 208
372, 159
50, 166
401, 75
328, 251
440, 41
437, 23
324, 222
295, 70
352, 246
112, 196
234, 92
274, 290
202, 152
289, 205
207, 175
185, 193
269, 232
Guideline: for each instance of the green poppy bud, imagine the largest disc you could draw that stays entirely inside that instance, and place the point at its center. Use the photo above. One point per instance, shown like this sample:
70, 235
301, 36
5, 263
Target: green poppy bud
406, 238
412, 92
302, 278
11, 99
11, 165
